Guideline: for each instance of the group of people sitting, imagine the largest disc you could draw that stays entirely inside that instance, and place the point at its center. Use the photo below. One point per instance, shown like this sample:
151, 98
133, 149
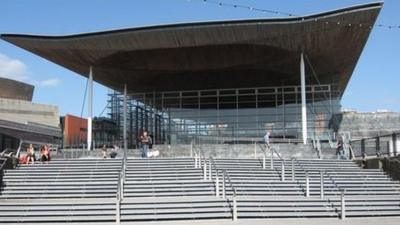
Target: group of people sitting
30, 156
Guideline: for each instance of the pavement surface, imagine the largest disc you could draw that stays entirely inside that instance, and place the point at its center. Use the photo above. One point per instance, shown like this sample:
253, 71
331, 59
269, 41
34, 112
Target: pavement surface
297, 221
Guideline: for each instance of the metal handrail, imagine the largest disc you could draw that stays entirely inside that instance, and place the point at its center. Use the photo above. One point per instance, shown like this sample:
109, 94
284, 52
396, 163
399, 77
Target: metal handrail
234, 201
2, 171
306, 172
230, 182
119, 197
273, 150
324, 172
333, 181
216, 182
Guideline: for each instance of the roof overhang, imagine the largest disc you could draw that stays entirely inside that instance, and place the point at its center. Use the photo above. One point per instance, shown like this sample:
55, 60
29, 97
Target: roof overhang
210, 55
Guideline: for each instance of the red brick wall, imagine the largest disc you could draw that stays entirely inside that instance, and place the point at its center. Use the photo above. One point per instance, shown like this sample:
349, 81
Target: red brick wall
75, 130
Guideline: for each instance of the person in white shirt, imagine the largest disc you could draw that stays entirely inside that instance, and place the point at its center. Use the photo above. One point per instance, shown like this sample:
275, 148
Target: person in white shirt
267, 138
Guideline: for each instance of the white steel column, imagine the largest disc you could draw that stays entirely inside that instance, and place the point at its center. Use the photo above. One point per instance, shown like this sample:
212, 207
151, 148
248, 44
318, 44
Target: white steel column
303, 99
125, 109
90, 110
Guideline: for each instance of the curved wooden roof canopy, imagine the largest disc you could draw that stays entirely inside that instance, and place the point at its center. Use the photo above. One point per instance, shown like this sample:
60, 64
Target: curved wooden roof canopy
223, 54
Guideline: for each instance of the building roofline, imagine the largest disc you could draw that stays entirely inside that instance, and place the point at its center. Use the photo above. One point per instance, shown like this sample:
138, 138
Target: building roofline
207, 23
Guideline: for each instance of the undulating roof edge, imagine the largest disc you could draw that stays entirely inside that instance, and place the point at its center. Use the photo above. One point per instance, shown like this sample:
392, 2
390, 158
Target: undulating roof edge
190, 24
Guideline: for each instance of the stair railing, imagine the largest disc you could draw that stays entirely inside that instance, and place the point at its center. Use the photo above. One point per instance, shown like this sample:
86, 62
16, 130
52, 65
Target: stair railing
262, 147
272, 152
333, 181
307, 178
119, 198
120, 188
215, 171
200, 161
2, 165
226, 178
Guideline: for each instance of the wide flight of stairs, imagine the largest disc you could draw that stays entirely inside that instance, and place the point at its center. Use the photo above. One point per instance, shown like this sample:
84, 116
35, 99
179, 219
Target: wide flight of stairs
162, 189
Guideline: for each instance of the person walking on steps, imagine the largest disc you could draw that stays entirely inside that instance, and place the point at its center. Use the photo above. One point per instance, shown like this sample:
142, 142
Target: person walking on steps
340, 149
267, 139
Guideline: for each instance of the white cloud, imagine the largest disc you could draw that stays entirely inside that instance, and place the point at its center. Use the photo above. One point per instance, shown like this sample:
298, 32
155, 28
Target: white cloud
13, 69
48, 83
17, 70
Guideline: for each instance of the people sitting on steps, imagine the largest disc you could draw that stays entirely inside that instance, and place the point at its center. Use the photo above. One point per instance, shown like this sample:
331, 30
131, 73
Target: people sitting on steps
30, 155
45, 154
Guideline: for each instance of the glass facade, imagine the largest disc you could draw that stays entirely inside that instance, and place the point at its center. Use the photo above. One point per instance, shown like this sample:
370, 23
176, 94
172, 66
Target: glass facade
239, 115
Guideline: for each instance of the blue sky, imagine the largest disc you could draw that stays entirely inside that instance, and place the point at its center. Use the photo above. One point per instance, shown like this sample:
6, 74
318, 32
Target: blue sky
374, 85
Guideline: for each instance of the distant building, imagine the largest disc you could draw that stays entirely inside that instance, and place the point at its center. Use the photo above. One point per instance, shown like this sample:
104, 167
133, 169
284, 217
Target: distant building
21, 120
74, 130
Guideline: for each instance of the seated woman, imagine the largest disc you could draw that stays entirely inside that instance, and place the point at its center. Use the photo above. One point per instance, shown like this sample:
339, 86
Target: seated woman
45, 154
30, 154
104, 151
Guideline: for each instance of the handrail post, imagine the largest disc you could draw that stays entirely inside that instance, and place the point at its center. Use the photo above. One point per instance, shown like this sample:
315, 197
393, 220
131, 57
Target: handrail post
307, 186
272, 159
283, 171
216, 185
322, 185
343, 205
209, 170
234, 213
264, 161
293, 169
205, 170
223, 185
191, 148
118, 211
255, 150
195, 160
122, 187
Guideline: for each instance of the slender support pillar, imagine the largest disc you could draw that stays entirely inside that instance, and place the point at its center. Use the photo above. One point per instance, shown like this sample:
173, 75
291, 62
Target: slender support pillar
303, 99
394, 140
363, 152
378, 146
124, 115
90, 109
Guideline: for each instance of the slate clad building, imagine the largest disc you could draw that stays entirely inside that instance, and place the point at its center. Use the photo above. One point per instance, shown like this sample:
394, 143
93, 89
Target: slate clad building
23, 120
222, 80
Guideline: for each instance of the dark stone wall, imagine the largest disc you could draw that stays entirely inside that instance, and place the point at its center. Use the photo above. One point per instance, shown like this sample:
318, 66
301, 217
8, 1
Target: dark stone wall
15, 90
368, 124
391, 165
